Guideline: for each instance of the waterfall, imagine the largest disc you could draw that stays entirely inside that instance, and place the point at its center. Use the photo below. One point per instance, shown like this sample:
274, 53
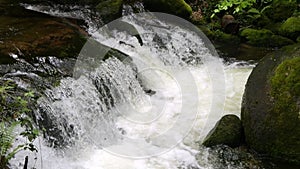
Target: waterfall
137, 105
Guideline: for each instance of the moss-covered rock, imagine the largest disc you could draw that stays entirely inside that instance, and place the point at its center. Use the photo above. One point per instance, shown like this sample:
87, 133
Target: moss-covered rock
227, 131
110, 9
280, 10
264, 38
291, 27
274, 27
220, 36
270, 109
175, 7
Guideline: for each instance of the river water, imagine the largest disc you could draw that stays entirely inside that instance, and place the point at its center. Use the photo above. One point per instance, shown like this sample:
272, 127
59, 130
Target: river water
149, 110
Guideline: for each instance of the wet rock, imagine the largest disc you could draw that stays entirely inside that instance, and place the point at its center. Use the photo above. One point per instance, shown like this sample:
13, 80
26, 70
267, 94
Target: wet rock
220, 36
222, 156
227, 131
270, 108
264, 37
150, 92
175, 7
121, 26
28, 34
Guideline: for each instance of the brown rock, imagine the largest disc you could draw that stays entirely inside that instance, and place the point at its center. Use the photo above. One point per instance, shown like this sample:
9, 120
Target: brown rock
29, 34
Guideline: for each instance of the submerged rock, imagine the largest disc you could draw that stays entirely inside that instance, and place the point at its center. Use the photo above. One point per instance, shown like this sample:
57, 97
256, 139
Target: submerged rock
175, 7
270, 108
227, 131
264, 38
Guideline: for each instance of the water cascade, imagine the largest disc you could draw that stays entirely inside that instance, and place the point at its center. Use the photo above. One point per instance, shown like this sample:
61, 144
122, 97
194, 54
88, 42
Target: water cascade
145, 105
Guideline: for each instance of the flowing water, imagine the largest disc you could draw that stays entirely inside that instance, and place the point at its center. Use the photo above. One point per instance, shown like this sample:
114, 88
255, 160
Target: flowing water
150, 109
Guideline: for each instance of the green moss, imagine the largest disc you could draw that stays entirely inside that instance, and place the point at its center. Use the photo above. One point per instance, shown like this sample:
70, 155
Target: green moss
274, 27
286, 81
270, 109
206, 31
291, 27
278, 41
176, 7
227, 131
285, 91
226, 38
264, 38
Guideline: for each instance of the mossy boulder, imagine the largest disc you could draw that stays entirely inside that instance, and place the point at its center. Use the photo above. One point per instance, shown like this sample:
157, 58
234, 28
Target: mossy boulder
227, 131
110, 9
280, 10
175, 7
270, 109
264, 37
291, 27
220, 36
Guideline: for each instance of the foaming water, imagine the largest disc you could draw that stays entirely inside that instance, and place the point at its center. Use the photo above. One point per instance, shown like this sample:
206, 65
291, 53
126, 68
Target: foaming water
105, 118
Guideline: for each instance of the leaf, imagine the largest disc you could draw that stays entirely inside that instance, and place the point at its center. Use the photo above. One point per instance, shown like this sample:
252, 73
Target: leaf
253, 10
29, 94
212, 16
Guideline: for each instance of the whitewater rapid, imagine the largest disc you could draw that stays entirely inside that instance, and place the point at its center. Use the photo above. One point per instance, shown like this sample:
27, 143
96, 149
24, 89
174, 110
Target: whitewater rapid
108, 121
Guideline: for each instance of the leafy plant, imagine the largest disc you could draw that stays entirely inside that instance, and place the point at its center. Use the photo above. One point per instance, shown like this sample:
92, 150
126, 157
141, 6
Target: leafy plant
239, 6
14, 110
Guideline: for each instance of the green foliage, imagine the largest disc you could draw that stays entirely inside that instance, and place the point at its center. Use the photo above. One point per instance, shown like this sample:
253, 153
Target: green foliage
14, 110
248, 12
238, 6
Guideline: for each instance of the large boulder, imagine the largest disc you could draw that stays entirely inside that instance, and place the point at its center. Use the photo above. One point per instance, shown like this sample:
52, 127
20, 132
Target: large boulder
271, 105
227, 131
29, 34
264, 37
175, 7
